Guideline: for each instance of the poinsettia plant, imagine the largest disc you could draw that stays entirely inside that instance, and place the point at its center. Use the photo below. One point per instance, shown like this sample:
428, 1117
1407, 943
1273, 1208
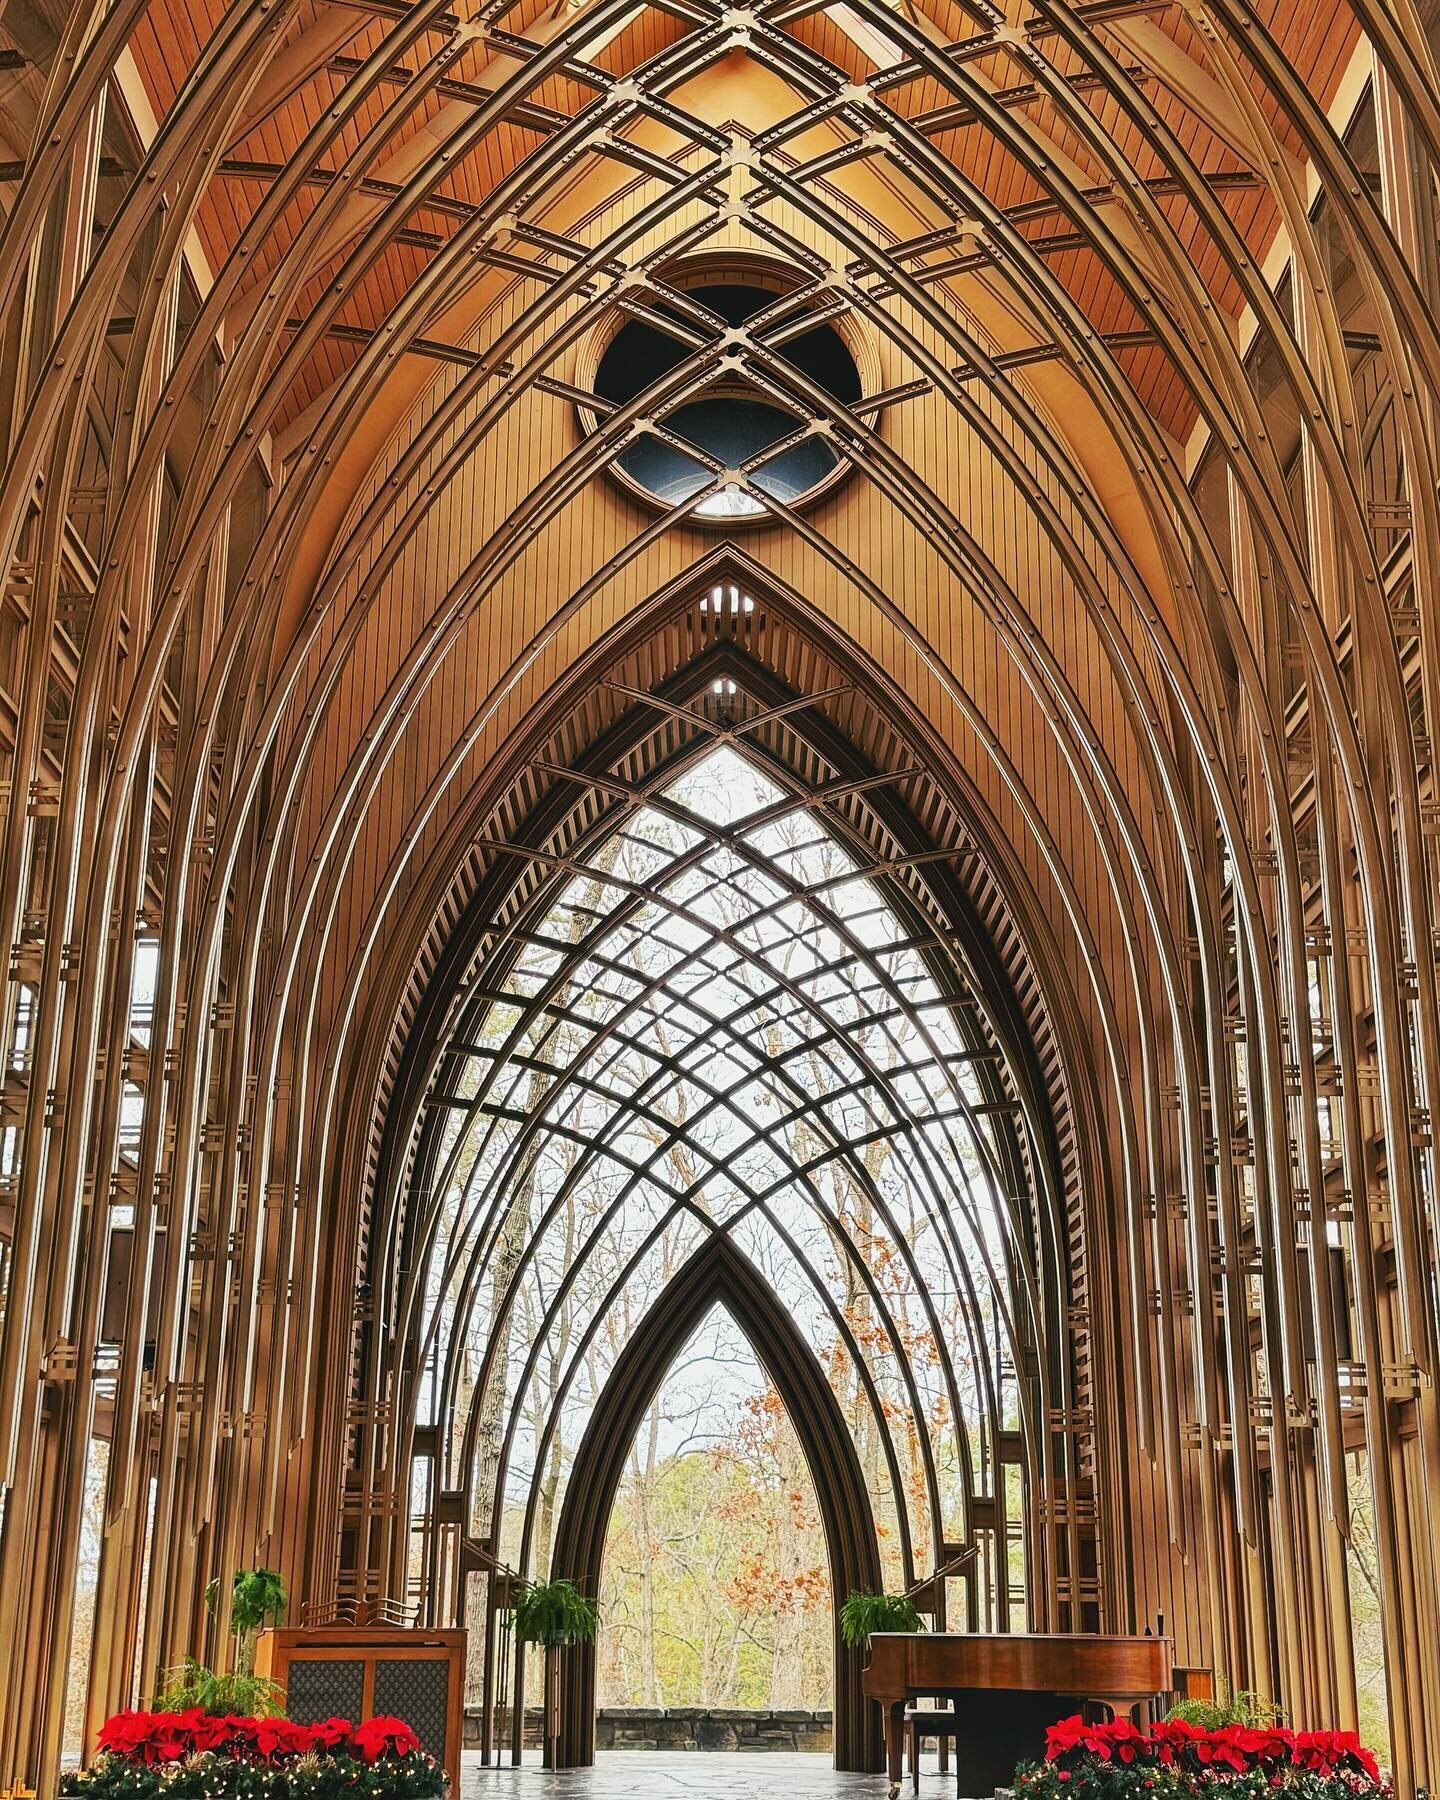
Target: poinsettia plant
196, 1755
1175, 1758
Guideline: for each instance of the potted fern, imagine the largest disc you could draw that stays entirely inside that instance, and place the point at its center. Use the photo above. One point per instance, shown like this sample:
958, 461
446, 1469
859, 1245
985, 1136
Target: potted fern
1235, 1707
864, 1614
554, 1615
194, 1688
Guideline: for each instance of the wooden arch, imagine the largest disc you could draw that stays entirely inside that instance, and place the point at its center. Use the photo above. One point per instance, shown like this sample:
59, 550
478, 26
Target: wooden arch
654, 733
719, 1274
883, 822
237, 238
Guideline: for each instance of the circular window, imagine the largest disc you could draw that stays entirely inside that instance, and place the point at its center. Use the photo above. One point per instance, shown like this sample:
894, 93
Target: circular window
731, 419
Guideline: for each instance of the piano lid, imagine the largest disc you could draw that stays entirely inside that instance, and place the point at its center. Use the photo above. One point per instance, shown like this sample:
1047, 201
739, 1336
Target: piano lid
1082, 1663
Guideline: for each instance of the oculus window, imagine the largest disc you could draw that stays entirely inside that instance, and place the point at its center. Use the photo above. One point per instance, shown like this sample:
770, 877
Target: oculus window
734, 419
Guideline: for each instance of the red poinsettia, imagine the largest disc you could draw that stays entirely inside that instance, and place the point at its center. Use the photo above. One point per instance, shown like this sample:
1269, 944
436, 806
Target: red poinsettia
282, 1737
329, 1734
1325, 1752
1219, 1749
1231, 1749
240, 1731
1119, 1741
1173, 1736
1063, 1737
372, 1739
157, 1737
205, 1730
143, 1747
126, 1733
1262, 1743
1125, 1741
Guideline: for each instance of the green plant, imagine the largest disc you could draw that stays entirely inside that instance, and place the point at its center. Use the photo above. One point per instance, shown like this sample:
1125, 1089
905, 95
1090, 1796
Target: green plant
242, 1693
864, 1614
553, 1613
1238, 1708
257, 1598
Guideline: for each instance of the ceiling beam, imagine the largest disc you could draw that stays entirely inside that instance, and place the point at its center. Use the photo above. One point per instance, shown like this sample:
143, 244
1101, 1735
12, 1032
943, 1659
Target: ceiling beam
1193, 86
1059, 158
448, 121
303, 58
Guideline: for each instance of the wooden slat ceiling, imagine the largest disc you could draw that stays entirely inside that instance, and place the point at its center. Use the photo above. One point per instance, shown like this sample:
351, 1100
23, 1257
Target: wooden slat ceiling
1318, 40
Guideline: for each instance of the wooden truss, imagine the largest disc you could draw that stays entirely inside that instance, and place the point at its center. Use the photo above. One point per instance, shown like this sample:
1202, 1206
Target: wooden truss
308, 578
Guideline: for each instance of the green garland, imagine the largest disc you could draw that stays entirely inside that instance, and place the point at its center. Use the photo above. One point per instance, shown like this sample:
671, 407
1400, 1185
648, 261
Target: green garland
218, 1775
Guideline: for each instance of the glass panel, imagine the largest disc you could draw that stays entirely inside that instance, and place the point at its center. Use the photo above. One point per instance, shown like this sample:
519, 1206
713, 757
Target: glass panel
716, 1583
726, 1025
732, 421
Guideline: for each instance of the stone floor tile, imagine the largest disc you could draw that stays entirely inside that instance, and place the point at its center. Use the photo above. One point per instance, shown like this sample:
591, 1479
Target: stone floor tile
715, 1775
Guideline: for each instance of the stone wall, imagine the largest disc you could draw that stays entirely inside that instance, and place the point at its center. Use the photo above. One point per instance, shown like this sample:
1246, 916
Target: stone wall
710, 1728
692, 1728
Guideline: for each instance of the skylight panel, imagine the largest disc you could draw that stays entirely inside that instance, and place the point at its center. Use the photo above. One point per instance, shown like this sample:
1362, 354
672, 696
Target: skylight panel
590, 898
791, 840
688, 888
723, 788
722, 863
143, 973
721, 1070
680, 933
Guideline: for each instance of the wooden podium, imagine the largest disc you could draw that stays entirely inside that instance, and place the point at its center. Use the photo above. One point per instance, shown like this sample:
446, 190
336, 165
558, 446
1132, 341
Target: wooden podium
360, 1671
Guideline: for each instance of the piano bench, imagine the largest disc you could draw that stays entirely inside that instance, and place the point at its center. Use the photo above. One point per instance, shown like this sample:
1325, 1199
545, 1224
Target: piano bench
922, 1722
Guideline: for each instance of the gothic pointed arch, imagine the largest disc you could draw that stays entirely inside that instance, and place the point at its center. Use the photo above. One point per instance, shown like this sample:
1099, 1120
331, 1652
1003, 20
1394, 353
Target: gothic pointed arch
728, 956
719, 1274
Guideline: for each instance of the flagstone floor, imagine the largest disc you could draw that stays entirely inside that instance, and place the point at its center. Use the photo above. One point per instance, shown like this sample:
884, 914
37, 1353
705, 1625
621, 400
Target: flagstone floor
658, 1775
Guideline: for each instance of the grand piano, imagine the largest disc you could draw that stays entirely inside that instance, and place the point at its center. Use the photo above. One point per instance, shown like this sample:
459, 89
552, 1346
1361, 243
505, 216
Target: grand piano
1006, 1688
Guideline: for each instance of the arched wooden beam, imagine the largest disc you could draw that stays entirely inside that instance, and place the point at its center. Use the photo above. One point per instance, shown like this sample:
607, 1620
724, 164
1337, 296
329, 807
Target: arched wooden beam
414, 1251
529, 742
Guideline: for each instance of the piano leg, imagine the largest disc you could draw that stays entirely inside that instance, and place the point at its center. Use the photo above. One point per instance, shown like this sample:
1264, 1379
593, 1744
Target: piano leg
895, 1744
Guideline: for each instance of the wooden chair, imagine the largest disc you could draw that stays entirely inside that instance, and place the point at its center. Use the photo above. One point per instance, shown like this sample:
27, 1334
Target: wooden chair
923, 1722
